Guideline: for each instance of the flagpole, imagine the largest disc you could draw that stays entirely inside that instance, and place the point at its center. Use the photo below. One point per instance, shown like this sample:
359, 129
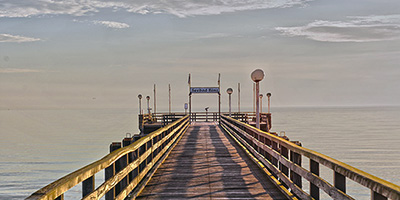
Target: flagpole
169, 89
219, 96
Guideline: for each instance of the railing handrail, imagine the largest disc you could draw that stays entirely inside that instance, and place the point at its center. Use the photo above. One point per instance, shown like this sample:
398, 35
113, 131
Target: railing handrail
372, 182
60, 186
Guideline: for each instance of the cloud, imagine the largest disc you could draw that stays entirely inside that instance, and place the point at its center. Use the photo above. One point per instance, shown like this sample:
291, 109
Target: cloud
111, 24
16, 38
15, 70
355, 29
180, 8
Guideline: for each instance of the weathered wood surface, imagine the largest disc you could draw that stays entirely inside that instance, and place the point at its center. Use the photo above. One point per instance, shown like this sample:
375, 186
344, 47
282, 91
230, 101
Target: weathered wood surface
207, 164
385, 188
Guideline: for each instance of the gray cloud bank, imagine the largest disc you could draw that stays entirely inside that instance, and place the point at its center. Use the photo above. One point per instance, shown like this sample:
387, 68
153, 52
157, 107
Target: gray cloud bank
111, 24
355, 29
16, 38
180, 8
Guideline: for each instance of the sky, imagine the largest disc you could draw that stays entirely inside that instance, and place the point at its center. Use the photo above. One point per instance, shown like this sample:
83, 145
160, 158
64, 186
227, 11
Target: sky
88, 54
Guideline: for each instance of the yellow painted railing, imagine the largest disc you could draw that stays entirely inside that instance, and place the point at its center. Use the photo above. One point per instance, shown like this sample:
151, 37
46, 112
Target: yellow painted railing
129, 168
283, 158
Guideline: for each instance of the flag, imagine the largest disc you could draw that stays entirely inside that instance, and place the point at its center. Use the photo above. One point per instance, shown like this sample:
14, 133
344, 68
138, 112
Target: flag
189, 80
219, 78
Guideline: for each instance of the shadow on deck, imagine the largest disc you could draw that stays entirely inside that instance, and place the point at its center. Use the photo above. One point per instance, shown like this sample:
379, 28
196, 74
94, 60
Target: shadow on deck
207, 164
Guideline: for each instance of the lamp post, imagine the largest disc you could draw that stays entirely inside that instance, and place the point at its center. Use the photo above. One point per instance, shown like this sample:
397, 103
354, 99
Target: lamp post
148, 106
230, 91
261, 96
257, 75
140, 104
269, 102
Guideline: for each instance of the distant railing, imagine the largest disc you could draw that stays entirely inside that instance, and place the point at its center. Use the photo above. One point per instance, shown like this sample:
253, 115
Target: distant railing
166, 118
274, 151
163, 118
127, 169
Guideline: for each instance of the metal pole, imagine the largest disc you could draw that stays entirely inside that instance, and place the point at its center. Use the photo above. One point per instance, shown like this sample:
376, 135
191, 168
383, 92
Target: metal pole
239, 97
254, 93
257, 105
269, 101
219, 96
261, 96
269, 104
219, 106
155, 103
140, 106
148, 106
169, 87
230, 105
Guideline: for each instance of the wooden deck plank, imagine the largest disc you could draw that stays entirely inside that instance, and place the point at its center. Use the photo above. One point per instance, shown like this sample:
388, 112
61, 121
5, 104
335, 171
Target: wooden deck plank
207, 164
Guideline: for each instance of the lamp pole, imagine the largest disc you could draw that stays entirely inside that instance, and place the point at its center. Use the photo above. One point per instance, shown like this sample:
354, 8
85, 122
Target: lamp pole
238, 97
261, 96
269, 102
230, 91
148, 106
257, 75
169, 98
140, 104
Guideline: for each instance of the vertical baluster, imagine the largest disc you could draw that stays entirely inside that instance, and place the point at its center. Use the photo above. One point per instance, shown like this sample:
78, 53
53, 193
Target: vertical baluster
296, 158
283, 168
314, 190
110, 171
273, 159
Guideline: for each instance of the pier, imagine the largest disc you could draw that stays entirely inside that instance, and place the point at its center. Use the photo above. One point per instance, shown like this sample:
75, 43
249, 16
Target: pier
225, 158
213, 155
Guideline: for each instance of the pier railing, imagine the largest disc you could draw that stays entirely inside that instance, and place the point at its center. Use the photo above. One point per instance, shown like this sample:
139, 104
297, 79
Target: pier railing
283, 159
127, 169
166, 118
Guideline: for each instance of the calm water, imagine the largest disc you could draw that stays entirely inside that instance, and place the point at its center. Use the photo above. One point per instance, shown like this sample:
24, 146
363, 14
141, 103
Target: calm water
40, 146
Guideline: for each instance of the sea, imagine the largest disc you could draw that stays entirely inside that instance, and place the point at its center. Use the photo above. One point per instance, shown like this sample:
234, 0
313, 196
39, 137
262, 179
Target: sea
40, 146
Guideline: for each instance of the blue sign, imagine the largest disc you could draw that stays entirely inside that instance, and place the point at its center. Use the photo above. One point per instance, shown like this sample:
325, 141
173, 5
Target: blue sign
204, 90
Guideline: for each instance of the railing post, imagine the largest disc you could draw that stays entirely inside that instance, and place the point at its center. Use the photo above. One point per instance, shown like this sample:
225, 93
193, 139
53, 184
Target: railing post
88, 186
61, 197
377, 196
283, 168
273, 159
339, 181
110, 171
127, 159
295, 158
314, 190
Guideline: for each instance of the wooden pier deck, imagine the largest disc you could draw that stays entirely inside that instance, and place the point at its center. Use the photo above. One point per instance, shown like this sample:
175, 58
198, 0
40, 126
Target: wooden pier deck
208, 164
